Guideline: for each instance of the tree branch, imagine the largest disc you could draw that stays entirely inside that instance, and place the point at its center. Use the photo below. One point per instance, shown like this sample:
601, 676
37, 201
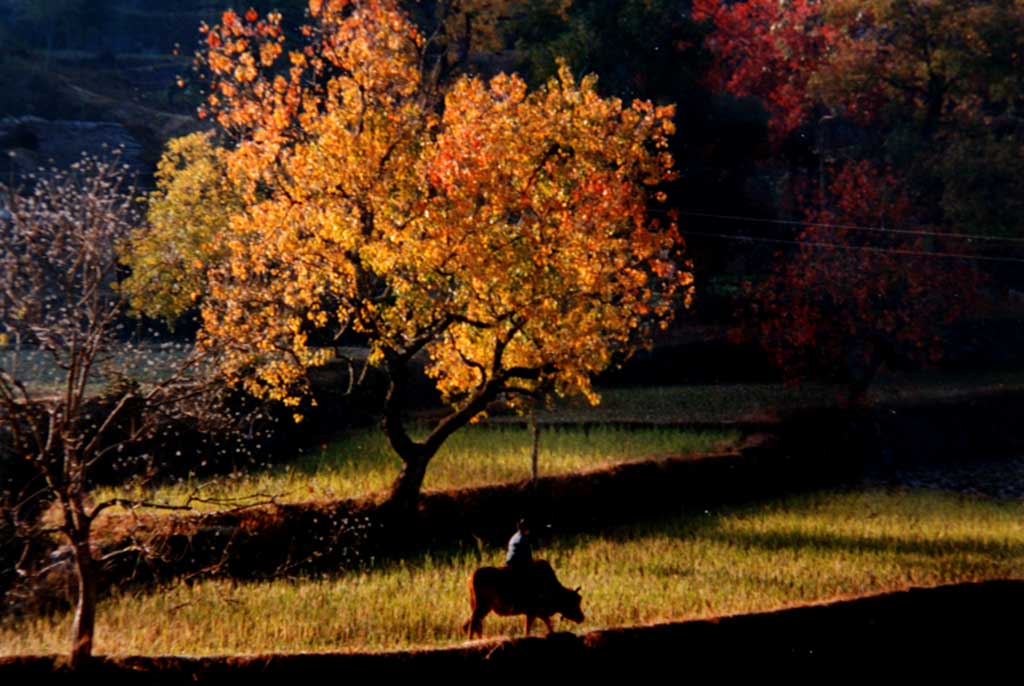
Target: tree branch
130, 504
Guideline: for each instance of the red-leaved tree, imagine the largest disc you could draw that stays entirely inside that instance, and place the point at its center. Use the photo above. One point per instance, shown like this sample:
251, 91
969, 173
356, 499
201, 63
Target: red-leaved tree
868, 285
768, 50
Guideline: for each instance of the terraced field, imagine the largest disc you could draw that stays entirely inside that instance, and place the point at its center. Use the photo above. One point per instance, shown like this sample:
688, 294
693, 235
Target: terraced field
744, 559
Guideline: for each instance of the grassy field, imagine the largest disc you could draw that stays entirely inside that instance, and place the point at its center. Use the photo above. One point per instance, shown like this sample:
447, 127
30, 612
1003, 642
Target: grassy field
361, 462
746, 559
498, 451
43, 377
766, 402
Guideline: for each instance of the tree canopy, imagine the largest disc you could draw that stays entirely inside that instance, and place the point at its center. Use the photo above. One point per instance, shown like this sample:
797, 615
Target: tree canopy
936, 86
907, 114
501, 231
849, 299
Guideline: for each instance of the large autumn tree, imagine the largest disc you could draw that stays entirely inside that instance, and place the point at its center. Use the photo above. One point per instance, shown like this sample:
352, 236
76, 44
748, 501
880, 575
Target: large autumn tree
500, 232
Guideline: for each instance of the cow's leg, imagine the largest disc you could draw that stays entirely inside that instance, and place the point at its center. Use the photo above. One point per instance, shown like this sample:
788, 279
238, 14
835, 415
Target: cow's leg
547, 622
476, 622
529, 623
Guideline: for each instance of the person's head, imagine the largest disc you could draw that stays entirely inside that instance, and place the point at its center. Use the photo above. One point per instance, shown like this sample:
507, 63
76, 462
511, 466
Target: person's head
523, 526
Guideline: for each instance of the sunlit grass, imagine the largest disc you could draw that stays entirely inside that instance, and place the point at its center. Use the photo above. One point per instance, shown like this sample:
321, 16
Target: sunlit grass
745, 559
361, 462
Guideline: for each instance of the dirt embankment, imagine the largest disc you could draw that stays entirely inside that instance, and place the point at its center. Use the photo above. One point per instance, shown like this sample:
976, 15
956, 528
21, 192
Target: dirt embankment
932, 627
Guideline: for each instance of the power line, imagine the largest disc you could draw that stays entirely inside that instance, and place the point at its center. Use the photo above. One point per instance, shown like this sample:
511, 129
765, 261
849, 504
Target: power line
863, 248
854, 227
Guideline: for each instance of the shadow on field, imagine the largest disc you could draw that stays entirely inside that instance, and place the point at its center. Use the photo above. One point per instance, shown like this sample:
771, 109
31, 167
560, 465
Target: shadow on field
918, 627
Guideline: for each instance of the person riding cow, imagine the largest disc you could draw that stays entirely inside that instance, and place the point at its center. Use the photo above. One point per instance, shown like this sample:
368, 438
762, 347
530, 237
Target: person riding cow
519, 560
523, 586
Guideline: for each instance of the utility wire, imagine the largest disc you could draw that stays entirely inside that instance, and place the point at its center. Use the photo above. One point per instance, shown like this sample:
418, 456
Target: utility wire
854, 227
863, 248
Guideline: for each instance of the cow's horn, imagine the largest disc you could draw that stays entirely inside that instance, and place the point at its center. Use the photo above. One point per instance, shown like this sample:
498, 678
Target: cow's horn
577, 590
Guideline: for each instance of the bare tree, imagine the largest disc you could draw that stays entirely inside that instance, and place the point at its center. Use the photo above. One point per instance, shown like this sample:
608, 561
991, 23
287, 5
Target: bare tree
73, 393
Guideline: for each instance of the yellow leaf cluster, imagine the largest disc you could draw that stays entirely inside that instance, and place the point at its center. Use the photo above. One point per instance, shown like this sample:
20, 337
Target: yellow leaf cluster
187, 217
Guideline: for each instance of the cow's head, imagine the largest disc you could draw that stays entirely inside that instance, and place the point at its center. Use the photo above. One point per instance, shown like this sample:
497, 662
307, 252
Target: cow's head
571, 605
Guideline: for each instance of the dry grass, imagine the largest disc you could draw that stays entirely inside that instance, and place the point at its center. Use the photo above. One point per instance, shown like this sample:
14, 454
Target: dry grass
746, 559
361, 462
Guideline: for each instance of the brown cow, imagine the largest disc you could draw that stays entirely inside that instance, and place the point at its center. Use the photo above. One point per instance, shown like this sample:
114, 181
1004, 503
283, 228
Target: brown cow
500, 589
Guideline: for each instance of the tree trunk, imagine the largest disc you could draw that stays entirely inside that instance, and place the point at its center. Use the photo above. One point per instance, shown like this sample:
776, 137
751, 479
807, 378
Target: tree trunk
85, 609
405, 491
415, 455
863, 378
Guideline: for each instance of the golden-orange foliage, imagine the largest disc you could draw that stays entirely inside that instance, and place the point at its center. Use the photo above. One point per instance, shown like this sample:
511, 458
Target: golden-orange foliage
502, 231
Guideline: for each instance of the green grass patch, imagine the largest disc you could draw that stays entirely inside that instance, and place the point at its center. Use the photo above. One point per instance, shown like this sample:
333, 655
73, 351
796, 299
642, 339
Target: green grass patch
361, 462
738, 560
766, 402
43, 376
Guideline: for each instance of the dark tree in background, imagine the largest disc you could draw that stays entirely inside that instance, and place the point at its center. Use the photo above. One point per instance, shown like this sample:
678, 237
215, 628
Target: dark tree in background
849, 301
922, 100
931, 88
